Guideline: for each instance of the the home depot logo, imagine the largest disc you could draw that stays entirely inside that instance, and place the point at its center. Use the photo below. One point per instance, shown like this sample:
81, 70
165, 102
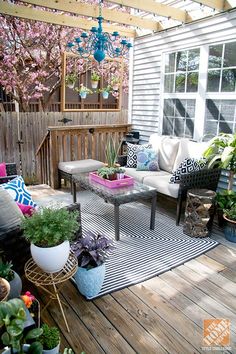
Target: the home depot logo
216, 332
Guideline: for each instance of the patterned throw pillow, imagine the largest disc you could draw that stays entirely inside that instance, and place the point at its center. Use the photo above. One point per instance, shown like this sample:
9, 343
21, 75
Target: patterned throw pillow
187, 166
132, 151
147, 160
17, 189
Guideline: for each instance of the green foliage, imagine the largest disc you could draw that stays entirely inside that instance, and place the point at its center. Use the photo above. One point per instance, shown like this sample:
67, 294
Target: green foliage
70, 79
95, 76
231, 213
83, 88
108, 89
50, 337
222, 153
12, 318
226, 199
50, 227
6, 271
106, 172
112, 151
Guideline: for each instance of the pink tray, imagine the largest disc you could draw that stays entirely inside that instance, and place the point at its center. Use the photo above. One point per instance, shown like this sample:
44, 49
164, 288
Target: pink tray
126, 181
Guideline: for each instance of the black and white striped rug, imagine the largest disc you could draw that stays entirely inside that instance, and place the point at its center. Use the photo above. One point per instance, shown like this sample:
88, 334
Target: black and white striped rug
141, 253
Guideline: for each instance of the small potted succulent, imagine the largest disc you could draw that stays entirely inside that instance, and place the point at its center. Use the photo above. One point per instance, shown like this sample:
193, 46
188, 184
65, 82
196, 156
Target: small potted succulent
12, 320
120, 173
94, 79
50, 339
12, 277
49, 232
91, 250
70, 80
230, 223
83, 91
115, 83
107, 173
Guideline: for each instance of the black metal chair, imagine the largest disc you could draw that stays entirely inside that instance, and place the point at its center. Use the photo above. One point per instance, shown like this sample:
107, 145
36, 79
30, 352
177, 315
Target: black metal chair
11, 173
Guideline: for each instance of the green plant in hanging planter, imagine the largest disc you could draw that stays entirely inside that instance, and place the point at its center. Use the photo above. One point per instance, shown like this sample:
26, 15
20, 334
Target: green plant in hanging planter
83, 91
70, 80
95, 77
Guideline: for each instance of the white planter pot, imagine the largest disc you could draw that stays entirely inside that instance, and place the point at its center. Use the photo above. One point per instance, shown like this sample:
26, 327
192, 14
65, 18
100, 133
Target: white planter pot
71, 86
115, 87
52, 351
94, 84
51, 259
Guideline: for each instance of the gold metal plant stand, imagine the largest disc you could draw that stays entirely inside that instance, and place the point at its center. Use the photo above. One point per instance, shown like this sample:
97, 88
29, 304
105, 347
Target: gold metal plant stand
55, 280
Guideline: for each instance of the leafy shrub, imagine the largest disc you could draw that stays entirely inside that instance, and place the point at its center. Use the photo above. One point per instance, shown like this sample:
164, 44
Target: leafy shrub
226, 199
231, 213
50, 227
92, 250
50, 337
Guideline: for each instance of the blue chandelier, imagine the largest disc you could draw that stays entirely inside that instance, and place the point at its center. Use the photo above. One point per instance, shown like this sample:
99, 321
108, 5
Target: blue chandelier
100, 43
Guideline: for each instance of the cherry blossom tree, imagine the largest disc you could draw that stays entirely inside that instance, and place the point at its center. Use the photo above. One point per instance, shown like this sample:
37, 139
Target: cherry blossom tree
30, 60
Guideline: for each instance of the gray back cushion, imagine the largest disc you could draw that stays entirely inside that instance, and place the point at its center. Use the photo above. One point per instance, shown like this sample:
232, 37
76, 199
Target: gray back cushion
10, 213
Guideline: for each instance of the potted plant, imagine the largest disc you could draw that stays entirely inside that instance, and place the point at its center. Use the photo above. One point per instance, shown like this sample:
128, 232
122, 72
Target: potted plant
91, 250
120, 173
12, 320
225, 200
49, 232
94, 79
105, 91
70, 80
111, 152
12, 277
107, 173
222, 152
4, 289
230, 223
115, 83
50, 339
83, 91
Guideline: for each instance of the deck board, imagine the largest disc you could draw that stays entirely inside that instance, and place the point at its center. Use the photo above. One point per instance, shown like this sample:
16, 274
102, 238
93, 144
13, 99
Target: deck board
164, 314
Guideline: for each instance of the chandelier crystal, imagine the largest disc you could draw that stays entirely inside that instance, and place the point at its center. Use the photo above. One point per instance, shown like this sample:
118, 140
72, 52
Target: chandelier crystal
99, 43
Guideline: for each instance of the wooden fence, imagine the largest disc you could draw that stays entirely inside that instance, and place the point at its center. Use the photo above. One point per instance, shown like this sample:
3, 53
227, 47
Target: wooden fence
22, 133
74, 143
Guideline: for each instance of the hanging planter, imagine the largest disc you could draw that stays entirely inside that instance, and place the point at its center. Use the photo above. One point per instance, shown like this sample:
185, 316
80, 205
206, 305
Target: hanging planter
115, 83
83, 91
70, 80
94, 79
105, 95
83, 94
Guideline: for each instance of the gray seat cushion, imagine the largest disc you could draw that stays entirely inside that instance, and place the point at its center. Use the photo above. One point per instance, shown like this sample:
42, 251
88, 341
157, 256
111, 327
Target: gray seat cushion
10, 214
139, 176
80, 166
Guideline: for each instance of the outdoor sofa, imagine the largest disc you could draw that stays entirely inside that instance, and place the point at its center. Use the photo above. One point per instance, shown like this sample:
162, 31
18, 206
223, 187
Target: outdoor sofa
171, 153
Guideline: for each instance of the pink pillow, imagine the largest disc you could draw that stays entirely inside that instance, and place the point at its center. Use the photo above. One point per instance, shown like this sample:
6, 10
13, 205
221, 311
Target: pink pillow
26, 209
3, 170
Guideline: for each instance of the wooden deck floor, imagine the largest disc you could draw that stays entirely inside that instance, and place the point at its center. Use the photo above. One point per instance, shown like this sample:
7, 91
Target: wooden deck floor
162, 315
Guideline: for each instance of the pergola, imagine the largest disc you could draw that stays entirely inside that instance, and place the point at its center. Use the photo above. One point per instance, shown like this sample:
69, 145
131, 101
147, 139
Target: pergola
140, 17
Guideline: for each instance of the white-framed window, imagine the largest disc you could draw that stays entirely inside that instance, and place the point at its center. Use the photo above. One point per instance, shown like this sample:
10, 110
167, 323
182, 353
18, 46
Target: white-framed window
199, 91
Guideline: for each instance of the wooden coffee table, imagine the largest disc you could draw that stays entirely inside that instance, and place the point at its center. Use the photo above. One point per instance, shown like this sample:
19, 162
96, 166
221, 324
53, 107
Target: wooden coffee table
117, 196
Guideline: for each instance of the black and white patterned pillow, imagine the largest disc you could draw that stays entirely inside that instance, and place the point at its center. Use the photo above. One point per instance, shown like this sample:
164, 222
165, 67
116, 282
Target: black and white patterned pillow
187, 166
132, 151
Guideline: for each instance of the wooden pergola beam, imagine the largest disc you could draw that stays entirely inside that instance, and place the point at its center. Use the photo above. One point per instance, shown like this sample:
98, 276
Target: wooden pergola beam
58, 19
155, 8
219, 5
83, 9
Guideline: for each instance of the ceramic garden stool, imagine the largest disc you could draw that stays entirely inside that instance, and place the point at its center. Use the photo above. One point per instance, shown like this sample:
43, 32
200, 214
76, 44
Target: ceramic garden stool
199, 212
55, 280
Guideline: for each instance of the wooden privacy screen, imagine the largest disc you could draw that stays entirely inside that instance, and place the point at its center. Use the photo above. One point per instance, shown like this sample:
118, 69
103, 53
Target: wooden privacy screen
74, 143
70, 98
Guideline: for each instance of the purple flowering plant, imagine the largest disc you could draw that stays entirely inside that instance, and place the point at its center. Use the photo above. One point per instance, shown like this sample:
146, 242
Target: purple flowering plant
92, 249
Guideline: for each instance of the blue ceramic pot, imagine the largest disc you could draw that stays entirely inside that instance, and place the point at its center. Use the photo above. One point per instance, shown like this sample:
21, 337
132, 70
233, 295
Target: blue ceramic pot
229, 229
89, 281
105, 95
83, 94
